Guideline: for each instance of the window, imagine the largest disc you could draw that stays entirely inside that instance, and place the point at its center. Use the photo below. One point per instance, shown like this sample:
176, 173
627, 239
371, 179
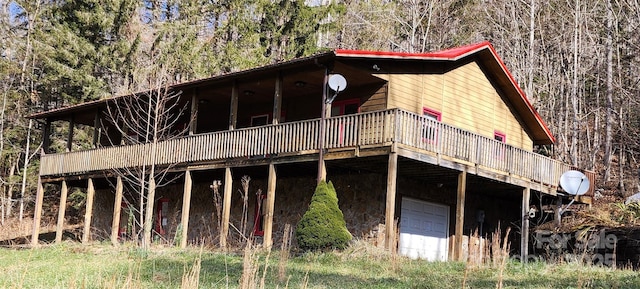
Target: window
259, 120
499, 136
258, 218
499, 147
429, 126
344, 107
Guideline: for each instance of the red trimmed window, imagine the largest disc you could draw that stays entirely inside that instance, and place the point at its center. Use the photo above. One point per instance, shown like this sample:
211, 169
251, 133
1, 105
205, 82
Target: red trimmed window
344, 107
429, 128
162, 216
502, 138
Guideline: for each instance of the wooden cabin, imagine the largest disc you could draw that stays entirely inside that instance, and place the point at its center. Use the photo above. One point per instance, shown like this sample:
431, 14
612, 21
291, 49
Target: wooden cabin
436, 145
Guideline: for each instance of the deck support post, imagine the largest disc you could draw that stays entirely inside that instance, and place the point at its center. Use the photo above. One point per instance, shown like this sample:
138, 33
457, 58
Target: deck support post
46, 136
117, 208
186, 206
226, 207
233, 110
64, 190
37, 214
461, 192
524, 235
271, 195
70, 134
193, 122
96, 130
277, 100
321, 134
392, 175
91, 191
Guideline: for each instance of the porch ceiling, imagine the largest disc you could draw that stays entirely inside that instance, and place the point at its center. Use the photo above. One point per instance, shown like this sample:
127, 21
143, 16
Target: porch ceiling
428, 173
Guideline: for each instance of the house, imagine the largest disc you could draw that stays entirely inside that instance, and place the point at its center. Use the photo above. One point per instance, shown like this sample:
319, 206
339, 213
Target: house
437, 145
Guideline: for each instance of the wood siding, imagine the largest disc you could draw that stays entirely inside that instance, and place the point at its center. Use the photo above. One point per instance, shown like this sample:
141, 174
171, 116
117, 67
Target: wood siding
465, 98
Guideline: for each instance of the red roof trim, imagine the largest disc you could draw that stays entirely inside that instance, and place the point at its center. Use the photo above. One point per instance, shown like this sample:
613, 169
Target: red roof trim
449, 54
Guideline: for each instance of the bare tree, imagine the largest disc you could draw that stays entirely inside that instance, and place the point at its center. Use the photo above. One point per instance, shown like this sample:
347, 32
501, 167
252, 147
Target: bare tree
147, 118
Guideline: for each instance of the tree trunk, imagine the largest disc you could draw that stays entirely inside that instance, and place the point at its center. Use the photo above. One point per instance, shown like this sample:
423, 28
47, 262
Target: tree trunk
608, 122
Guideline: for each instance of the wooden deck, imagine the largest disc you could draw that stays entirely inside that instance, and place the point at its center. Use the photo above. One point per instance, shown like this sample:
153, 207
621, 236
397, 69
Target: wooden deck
395, 128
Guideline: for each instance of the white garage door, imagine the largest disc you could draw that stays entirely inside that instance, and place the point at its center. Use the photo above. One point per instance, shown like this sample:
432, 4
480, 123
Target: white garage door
424, 230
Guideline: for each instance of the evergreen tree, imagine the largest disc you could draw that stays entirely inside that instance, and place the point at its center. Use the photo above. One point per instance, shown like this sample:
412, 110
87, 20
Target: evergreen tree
323, 225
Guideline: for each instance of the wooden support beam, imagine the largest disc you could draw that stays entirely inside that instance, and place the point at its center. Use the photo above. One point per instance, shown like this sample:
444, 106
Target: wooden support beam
186, 206
268, 213
46, 136
96, 130
277, 99
390, 211
524, 235
70, 134
462, 187
86, 233
64, 190
226, 207
233, 111
117, 208
37, 214
193, 122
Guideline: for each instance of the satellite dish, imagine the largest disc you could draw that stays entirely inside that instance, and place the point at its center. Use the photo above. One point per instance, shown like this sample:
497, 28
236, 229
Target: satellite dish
574, 183
337, 82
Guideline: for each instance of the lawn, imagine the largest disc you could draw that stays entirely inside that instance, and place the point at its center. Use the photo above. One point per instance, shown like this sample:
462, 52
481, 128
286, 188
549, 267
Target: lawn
71, 265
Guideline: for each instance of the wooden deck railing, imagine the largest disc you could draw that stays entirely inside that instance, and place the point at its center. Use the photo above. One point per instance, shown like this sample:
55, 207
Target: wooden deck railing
380, 128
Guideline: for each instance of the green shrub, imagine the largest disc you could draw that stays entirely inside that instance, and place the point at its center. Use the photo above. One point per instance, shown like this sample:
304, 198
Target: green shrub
323, 225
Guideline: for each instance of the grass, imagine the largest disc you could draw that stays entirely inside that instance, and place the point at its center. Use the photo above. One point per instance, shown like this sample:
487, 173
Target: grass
71, 265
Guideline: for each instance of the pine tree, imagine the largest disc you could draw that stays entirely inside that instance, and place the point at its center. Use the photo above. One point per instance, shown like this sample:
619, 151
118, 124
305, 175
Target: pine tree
323, 225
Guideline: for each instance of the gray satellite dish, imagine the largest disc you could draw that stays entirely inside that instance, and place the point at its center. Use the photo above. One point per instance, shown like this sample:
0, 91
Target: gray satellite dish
337, 82
574, 183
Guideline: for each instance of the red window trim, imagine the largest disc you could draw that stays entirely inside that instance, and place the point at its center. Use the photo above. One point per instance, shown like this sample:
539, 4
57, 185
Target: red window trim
432, 112
343, 103
501, 135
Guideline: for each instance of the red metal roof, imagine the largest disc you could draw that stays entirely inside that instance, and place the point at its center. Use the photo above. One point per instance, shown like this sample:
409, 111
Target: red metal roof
448, 54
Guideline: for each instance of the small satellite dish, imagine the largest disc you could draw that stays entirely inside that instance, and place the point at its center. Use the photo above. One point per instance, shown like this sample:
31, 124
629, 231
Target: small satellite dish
574, 183
337, 82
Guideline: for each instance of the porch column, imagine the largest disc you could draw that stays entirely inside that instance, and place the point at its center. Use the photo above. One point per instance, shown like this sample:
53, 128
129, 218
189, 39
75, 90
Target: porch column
193, 123
70, 134
233, 111
226, 207
392, 174
37, 214
268, 216
64, 190
86, 233
96, 130
462, 187
46, 136
524, 235
186, 206
117, 208
277, 99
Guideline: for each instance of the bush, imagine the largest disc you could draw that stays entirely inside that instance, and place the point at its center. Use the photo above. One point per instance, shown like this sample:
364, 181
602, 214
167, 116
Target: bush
323, 225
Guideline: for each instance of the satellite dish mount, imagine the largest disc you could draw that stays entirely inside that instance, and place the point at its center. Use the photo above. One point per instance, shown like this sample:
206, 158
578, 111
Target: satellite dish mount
574, 183
337, 83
